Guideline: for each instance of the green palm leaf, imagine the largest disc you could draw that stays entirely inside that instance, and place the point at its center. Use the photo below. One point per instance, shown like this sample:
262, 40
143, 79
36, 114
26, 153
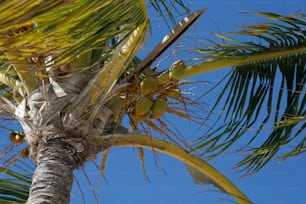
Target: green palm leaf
252, 90
65, 33
165, 9
15, 183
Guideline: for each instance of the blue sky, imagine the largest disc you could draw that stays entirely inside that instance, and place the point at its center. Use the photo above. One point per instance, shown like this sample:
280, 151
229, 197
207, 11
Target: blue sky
277, 183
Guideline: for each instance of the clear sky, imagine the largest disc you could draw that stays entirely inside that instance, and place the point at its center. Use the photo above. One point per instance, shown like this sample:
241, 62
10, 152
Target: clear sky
277, 183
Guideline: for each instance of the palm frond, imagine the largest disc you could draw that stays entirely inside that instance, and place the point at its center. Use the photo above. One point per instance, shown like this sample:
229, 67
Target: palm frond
165, 9
15, 183
201, 166
168, 40
64, 31
108, 76
253, 97
68, 31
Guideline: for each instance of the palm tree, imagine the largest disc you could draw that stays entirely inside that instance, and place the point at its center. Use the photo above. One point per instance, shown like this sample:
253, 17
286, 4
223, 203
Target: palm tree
66, 90
70, 74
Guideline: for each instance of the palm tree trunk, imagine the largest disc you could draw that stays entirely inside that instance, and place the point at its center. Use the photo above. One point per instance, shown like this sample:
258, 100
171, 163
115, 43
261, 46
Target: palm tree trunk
53, 176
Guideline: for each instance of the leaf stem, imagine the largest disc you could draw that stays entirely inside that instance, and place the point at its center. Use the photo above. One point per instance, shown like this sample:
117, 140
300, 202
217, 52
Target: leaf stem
119, 140
208, 66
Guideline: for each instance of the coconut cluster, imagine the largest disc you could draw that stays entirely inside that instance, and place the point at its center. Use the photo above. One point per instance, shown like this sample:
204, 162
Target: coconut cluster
148, 98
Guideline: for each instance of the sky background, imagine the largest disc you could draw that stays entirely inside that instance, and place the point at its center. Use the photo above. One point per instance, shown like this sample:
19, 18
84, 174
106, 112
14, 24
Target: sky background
124, 181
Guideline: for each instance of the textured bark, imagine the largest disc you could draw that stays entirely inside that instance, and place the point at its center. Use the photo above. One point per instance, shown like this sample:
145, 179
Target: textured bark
57, 130
58, 140
53, 176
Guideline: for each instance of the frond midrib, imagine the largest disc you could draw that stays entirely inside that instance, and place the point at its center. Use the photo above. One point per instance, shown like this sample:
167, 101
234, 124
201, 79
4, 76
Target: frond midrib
235, 61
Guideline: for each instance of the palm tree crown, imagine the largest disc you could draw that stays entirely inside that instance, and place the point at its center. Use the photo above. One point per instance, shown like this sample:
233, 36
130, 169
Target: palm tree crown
69, 74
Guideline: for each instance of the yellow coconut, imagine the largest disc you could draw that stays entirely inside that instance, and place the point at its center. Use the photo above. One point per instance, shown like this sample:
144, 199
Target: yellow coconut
143, 106
159, 107
17, 137
163, 78
117, 103
140, 118
148, 85
25, 153
174, 93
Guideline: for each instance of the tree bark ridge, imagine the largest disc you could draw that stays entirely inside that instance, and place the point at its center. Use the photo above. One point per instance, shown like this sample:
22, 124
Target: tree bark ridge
53, 176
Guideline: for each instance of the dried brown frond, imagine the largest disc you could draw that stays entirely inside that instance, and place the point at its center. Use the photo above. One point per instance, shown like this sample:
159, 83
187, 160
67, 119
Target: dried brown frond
103, 162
